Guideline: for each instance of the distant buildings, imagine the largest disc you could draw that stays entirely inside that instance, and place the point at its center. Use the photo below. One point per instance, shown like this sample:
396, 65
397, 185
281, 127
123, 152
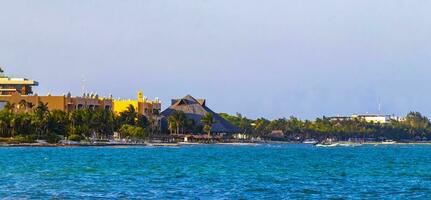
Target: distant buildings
370, 118
65, 103
19, 92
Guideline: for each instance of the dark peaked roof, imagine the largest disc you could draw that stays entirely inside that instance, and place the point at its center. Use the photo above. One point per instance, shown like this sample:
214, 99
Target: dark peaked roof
195, 109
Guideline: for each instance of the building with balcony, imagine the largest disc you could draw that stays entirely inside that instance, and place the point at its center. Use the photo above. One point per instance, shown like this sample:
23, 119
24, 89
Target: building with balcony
19, 92
23, 86
66, 103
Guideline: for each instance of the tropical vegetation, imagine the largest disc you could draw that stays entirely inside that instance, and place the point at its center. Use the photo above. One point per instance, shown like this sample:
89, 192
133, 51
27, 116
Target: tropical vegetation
26, 122
413, 127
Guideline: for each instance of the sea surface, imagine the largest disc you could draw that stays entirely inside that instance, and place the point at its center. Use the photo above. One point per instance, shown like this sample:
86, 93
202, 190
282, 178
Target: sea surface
217, 172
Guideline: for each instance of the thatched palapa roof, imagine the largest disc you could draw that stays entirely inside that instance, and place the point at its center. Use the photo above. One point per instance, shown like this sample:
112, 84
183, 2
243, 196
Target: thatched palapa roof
195, 109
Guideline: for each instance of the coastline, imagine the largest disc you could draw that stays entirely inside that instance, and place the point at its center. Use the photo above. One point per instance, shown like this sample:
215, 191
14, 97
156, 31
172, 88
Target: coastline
192, 144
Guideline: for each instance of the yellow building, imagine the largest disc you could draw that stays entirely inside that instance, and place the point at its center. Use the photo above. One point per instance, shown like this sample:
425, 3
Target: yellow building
142, 105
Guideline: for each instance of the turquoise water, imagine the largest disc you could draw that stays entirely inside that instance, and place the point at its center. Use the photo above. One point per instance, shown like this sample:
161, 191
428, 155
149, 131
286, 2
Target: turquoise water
217, 172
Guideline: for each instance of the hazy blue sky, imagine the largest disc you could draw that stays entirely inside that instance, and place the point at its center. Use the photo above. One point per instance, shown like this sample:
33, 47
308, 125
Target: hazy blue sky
270, 58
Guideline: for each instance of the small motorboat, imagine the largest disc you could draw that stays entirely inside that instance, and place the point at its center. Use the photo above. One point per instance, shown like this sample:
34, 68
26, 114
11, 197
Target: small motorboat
389, 142
327, 145
310, 141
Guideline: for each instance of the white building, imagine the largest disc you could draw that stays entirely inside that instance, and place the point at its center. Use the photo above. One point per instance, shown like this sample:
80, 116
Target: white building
370, 118
377, 119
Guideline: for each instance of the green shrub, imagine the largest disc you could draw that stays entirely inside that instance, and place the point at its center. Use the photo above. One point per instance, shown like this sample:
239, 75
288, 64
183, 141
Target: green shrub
130, 131
75, 137
52, 138
23, 139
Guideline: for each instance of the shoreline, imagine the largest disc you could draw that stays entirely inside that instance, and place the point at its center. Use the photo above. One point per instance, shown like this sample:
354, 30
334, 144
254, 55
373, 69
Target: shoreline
192, 144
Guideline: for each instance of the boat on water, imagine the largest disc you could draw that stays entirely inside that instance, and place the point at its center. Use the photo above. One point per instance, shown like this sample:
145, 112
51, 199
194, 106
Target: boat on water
310, 141
388, 142
327, 145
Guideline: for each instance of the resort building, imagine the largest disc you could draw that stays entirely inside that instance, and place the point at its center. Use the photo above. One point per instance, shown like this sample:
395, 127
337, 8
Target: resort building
195, 109
376, 119
64, 103
19, 93
370, 118
9, 86
142, 105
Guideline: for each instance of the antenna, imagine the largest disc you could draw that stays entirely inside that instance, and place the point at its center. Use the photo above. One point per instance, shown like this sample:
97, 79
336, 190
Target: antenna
83, 84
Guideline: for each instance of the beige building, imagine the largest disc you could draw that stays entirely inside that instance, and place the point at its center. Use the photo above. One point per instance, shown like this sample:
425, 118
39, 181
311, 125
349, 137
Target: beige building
18, 90
65, 103
9, 86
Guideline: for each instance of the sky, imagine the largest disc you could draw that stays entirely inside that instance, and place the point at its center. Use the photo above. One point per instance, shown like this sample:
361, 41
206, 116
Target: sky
272, 59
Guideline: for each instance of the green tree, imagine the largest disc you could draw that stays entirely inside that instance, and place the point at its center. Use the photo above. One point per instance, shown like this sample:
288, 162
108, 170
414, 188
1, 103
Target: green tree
208, 121
40, 121
129, 116
9, 107
134, 132
177, 121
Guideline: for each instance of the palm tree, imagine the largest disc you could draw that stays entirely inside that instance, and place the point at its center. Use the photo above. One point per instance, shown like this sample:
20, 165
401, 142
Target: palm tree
172, 124
154, 122
41, 109
10, 107
41, 113
129, 116
23, 105
30, 105
177, 120
4, 127
208, 121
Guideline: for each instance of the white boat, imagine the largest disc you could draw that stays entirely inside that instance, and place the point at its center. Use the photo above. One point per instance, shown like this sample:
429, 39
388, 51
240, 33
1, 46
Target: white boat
327, 145
310, 141
389, 142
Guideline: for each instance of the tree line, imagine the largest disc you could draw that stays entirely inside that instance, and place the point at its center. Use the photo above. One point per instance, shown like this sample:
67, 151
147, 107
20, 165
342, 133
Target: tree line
414, 126
25, 122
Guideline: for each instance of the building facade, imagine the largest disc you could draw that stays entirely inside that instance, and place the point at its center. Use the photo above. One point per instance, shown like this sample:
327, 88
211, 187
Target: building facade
376, 119
370, 118
23, 86
65, 103
19, 92
142, 105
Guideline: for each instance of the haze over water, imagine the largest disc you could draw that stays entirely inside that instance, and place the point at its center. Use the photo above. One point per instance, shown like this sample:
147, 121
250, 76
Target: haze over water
217, 172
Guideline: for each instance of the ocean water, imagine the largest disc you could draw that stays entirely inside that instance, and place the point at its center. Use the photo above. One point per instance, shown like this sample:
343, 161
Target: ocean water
217, 172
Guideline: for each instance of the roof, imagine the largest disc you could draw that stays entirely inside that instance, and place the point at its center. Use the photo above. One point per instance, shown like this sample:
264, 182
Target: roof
196, 109
17, 81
